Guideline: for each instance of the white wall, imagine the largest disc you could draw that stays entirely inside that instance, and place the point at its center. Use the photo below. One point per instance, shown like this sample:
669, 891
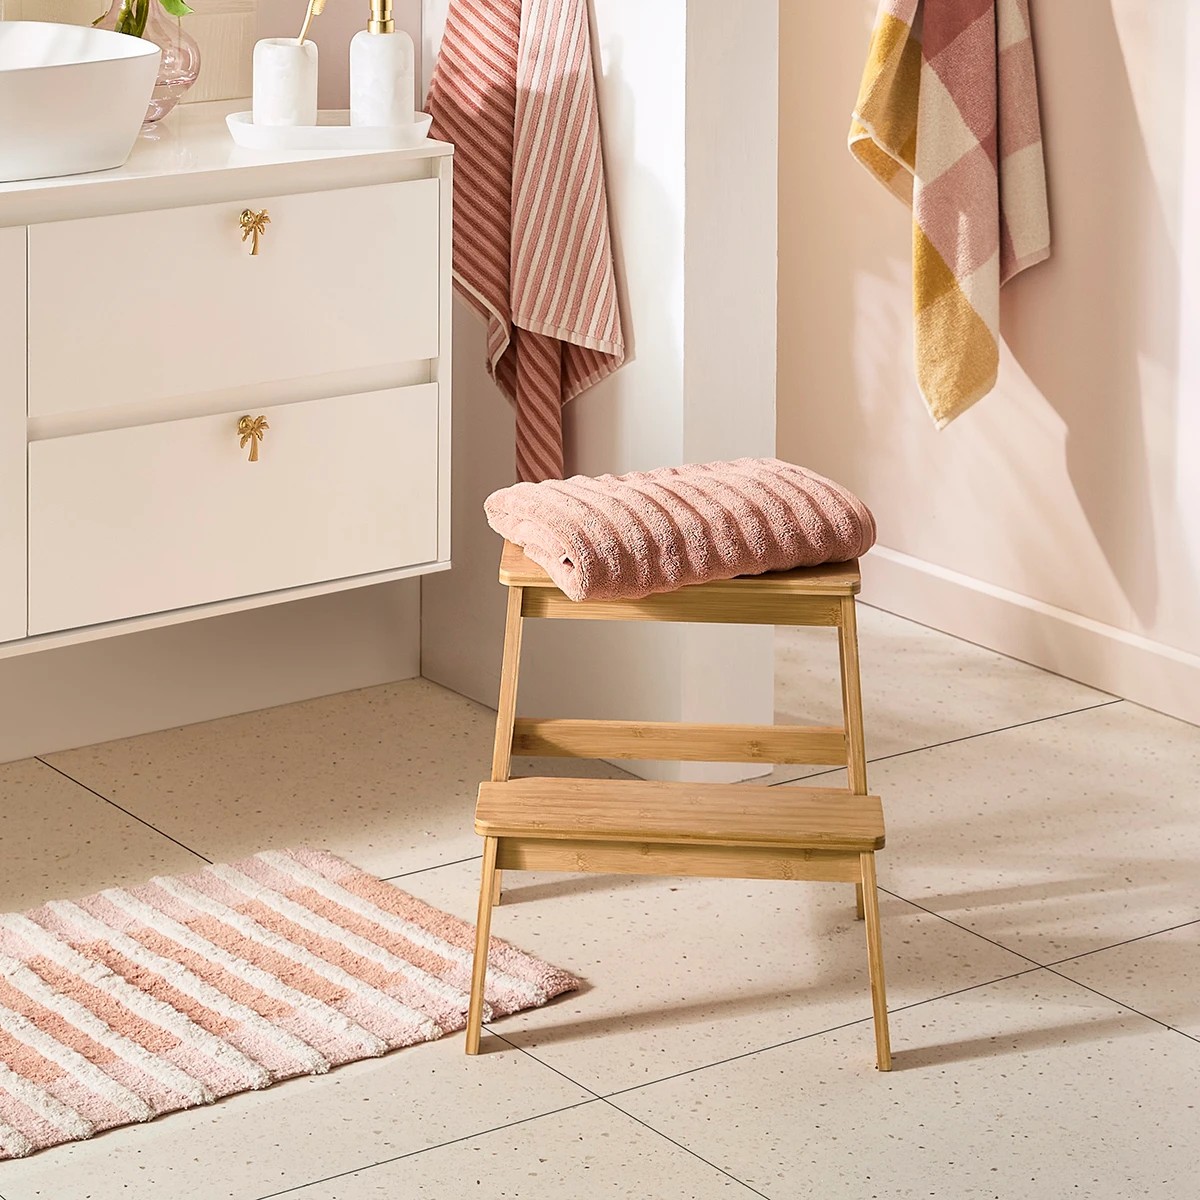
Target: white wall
1059, 520
691, 184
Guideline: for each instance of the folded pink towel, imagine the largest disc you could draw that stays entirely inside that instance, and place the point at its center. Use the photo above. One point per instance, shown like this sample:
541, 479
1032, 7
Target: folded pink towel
626, 536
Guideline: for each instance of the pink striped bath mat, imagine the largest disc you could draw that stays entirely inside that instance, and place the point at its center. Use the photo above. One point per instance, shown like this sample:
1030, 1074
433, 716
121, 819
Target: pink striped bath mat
141, 1001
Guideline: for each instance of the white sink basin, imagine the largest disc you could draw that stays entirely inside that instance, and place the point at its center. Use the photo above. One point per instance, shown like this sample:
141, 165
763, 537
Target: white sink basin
72, 98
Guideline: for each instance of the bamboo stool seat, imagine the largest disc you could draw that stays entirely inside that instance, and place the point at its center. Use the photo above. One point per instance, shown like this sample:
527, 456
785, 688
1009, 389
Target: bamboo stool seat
826, 835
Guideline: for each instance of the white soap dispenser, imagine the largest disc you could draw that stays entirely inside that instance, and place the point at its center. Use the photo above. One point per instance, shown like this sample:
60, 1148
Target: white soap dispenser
382, 80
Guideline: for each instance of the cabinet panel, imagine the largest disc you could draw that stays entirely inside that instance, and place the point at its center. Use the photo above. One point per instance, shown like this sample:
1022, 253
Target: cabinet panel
157, 517
12, 433
172, 303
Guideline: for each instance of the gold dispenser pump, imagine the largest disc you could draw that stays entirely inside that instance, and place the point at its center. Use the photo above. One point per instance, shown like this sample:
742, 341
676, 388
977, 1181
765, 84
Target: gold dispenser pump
381, 17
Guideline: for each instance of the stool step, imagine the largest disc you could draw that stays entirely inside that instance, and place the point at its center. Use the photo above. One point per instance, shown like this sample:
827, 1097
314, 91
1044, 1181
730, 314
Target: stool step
714, 814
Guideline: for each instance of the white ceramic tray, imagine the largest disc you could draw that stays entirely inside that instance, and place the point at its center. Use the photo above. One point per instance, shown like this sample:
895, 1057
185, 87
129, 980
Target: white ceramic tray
332, 131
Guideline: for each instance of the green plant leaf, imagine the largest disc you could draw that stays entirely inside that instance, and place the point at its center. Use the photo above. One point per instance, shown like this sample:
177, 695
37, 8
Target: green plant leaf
141, 14
177, 8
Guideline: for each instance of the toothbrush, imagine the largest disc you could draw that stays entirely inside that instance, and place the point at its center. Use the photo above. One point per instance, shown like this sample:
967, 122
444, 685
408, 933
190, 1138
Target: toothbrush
315, 8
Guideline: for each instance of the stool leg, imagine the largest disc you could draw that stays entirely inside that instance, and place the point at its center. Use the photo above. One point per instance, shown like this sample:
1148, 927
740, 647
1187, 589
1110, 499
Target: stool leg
483, 929
506, 709
870, 894
852, 715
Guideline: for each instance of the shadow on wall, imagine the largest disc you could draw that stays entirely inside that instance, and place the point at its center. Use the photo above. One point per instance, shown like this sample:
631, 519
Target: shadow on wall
1097, 327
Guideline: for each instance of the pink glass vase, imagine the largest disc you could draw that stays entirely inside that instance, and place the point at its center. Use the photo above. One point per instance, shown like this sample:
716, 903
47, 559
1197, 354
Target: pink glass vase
180, 63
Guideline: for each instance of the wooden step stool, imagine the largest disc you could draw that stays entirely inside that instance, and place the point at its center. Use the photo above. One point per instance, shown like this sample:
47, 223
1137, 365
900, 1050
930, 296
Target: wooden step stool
638, 827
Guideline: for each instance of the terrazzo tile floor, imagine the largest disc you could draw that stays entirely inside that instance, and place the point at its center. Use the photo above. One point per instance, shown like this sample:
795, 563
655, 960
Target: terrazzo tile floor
1041, 908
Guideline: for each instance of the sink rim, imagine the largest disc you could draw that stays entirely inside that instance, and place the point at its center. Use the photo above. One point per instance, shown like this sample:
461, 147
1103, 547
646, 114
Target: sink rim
124, 46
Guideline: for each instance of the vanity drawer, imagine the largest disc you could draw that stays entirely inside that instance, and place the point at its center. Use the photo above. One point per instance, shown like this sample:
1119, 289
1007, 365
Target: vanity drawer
151, 305
160, 517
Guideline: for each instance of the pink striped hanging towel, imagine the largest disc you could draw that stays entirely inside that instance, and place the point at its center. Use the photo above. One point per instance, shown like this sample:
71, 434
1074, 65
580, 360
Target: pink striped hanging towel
514, 91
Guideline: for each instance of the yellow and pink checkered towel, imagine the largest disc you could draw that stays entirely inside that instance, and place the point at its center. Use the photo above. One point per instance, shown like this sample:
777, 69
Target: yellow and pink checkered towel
947, 118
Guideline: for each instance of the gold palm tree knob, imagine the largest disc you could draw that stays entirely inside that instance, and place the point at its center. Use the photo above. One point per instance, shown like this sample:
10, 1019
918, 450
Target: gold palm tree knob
251, 429
254, 225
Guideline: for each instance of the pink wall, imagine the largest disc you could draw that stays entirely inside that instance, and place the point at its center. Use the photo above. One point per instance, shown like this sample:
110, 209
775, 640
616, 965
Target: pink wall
1068, 499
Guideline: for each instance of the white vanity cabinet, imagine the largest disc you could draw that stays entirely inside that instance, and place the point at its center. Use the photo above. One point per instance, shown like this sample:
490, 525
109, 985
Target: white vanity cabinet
188, 427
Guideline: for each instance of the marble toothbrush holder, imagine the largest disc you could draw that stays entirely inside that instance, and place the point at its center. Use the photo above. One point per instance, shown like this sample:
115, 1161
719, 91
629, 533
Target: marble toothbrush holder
285, 82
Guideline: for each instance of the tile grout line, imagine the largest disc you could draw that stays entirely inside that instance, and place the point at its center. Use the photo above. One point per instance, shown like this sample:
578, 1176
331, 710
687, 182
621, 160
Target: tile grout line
967, 737
1051, 966
134, 816
383, 1162
542, 1063
1053, 963
420, 871
804, 1037
774, 1045
965, 928
990, 649
971, 987
616, 1108
1141, 937
1119, 1003
1034, 965
681, 1146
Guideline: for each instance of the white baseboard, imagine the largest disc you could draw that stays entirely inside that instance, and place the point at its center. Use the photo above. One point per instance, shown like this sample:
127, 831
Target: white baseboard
1098, 655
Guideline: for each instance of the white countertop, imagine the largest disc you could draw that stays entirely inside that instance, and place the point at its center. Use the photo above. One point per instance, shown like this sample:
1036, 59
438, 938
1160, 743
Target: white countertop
190, 158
